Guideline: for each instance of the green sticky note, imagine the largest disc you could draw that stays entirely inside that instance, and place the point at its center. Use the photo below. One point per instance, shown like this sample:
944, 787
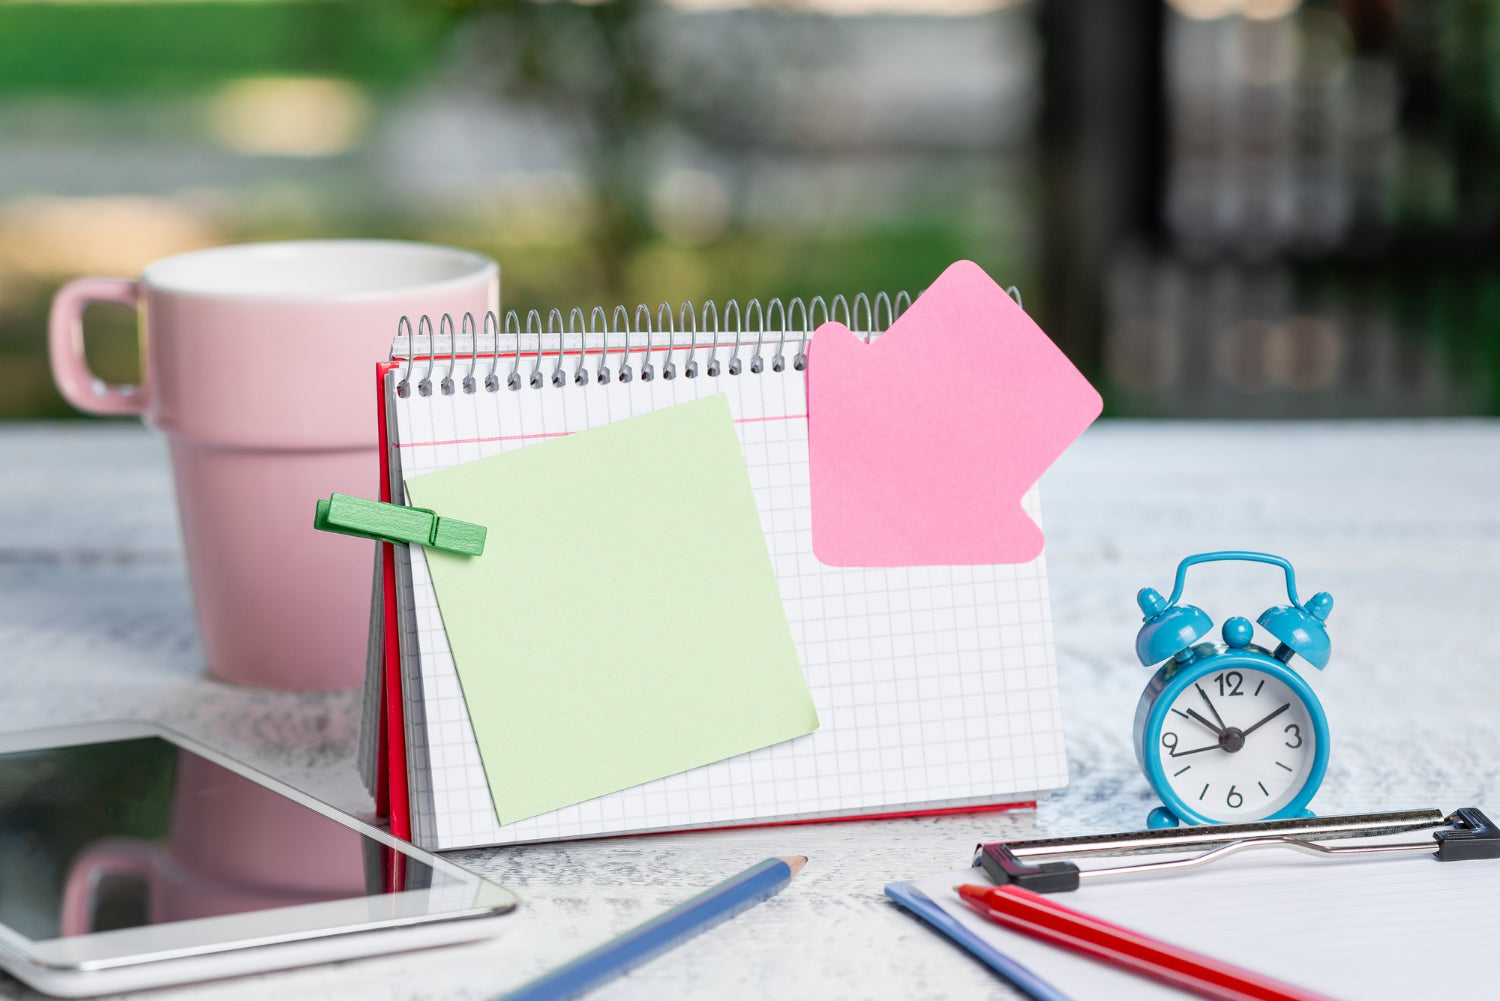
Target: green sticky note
623, 622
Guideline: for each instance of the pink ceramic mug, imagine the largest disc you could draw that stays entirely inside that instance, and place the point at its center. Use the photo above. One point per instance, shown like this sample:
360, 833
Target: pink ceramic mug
258, 364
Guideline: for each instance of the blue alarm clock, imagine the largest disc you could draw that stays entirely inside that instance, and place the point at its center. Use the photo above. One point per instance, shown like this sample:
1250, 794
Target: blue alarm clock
1230, 732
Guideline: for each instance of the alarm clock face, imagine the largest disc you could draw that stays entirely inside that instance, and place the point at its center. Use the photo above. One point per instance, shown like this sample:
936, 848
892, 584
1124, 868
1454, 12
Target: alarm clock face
1236, 744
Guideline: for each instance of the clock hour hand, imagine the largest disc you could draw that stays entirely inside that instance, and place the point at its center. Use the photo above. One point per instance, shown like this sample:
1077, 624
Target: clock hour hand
1268, 719
1195, 714
1211, 708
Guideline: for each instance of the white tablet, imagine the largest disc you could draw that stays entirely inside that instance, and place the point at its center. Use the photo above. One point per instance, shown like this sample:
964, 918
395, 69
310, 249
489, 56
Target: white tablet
131, 856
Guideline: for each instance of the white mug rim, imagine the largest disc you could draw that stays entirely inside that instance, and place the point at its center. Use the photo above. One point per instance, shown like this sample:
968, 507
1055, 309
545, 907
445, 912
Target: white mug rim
160, 275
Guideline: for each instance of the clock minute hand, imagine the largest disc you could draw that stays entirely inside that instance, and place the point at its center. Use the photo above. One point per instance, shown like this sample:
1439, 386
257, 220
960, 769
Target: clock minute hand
1211, 708
1195, 714
1268, 719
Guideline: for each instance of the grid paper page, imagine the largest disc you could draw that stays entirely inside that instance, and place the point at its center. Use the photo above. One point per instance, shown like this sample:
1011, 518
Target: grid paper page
936, 686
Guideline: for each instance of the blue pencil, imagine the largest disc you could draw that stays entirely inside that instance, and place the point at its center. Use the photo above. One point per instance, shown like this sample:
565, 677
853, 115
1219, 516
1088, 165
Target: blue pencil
1021, 978
718, 903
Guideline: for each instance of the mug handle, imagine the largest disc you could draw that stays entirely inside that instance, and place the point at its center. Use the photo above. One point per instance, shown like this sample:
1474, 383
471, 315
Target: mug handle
105, 858
70, 368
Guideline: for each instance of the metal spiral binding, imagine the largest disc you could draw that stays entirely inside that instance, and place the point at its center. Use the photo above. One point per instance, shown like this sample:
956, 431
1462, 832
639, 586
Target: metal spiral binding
557, 350
622, 345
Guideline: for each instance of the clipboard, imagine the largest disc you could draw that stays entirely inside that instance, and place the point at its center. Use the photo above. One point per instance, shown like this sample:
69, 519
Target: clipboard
1348, 906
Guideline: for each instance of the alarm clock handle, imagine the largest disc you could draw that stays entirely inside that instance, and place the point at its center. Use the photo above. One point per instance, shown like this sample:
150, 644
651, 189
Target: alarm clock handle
1231, 555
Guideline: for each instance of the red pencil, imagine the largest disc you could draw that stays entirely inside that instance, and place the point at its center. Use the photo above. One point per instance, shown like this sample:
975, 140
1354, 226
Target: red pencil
1042, 918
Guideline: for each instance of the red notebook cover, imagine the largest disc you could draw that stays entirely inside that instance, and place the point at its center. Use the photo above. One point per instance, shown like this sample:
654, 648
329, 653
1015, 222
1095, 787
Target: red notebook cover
390, 777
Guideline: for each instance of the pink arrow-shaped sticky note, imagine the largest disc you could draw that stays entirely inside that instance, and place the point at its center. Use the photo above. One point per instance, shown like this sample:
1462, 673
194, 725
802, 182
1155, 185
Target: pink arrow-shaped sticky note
923, 442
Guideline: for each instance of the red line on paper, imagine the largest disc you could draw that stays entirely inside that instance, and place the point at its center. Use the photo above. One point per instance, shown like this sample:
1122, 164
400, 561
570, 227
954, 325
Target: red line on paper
475, 441
846, 818
773, 417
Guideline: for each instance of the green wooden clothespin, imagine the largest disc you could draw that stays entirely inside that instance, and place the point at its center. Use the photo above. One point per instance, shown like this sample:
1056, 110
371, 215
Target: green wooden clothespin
367, 519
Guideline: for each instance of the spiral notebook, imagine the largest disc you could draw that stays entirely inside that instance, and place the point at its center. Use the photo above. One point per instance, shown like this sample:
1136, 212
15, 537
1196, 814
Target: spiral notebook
934, 685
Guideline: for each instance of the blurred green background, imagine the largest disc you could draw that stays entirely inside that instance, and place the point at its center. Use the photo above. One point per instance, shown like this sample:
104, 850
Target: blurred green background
1231, 208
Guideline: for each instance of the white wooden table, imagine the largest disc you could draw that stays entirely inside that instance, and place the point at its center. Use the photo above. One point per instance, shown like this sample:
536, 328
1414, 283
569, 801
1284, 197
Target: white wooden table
1400, 521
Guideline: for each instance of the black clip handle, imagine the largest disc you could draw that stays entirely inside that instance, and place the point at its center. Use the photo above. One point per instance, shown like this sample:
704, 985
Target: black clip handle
1049, 877
1473, 836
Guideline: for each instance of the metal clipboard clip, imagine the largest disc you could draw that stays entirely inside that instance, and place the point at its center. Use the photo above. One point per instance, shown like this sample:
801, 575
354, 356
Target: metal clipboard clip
1042, 864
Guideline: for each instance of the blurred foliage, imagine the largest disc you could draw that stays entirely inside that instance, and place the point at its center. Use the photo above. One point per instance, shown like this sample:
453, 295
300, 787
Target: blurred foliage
626, 96
593, 68
591, 64
106, 50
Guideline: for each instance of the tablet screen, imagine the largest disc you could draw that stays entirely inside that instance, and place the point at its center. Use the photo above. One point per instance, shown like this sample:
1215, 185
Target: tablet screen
97, 837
